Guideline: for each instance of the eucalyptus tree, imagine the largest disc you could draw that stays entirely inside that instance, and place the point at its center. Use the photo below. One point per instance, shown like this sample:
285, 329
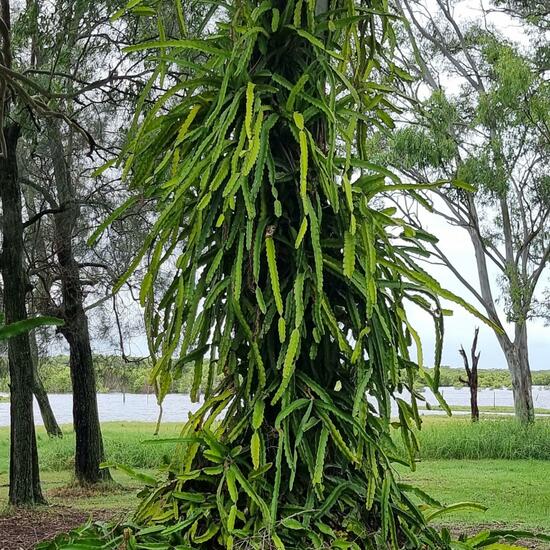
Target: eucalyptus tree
492, 131
536, 12
288, 282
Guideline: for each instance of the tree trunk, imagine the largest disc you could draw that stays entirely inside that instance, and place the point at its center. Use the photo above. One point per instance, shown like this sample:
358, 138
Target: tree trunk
48, 417
516, 352
517, 357
24, 475
38, 248
89, 443
474, 408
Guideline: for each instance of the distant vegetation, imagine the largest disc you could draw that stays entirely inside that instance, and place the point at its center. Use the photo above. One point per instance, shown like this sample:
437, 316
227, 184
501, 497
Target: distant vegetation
113, 374
116, 375
490, 378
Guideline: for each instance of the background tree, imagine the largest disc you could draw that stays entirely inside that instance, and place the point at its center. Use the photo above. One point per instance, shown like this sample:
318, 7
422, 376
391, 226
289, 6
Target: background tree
24, 475
536, 12
492, 132
48, 417
72, 54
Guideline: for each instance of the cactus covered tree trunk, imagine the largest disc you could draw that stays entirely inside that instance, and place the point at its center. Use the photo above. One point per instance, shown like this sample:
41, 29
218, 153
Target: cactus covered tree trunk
289, 283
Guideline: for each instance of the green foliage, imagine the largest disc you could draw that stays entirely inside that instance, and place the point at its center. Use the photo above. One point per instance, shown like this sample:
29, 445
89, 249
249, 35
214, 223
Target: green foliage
482, 172
415, 147
287, 283
20, 327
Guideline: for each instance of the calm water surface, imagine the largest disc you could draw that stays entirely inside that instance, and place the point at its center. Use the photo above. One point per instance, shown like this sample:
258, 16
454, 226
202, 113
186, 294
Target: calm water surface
144, 408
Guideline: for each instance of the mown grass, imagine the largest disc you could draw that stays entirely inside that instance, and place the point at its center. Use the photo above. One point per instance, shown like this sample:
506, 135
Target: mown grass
458, 438
516, 493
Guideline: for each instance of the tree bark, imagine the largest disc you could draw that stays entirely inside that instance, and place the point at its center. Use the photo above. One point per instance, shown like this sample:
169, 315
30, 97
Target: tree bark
517, 357
48, 417
89, 451
24, 475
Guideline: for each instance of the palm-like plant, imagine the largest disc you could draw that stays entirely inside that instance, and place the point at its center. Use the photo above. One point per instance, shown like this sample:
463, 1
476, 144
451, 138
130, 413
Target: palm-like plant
288, 282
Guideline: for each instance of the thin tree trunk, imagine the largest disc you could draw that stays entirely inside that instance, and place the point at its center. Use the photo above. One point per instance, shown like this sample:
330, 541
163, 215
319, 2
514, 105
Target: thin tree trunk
48, 417
517, 357
24, 475
89, 443
38, 249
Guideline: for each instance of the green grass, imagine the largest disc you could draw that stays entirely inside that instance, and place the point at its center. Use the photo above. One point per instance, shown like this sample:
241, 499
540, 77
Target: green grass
58, 489
444, 438
517, 493
123, 443
461, 461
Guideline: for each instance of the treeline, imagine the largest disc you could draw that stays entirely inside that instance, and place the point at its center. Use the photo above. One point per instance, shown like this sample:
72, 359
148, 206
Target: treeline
114, 374
490, 378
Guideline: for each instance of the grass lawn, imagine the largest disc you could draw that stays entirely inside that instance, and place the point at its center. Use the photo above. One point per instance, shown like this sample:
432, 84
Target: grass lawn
124, 443
516, 492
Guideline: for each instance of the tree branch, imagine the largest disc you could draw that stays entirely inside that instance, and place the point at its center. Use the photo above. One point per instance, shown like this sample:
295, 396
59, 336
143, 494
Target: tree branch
41, 214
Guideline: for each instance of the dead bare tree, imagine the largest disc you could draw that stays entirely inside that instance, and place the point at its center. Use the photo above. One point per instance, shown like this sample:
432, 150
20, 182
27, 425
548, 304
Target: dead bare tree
471, 372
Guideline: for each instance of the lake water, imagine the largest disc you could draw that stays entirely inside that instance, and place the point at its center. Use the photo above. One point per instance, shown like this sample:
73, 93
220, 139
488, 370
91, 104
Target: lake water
144, 408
